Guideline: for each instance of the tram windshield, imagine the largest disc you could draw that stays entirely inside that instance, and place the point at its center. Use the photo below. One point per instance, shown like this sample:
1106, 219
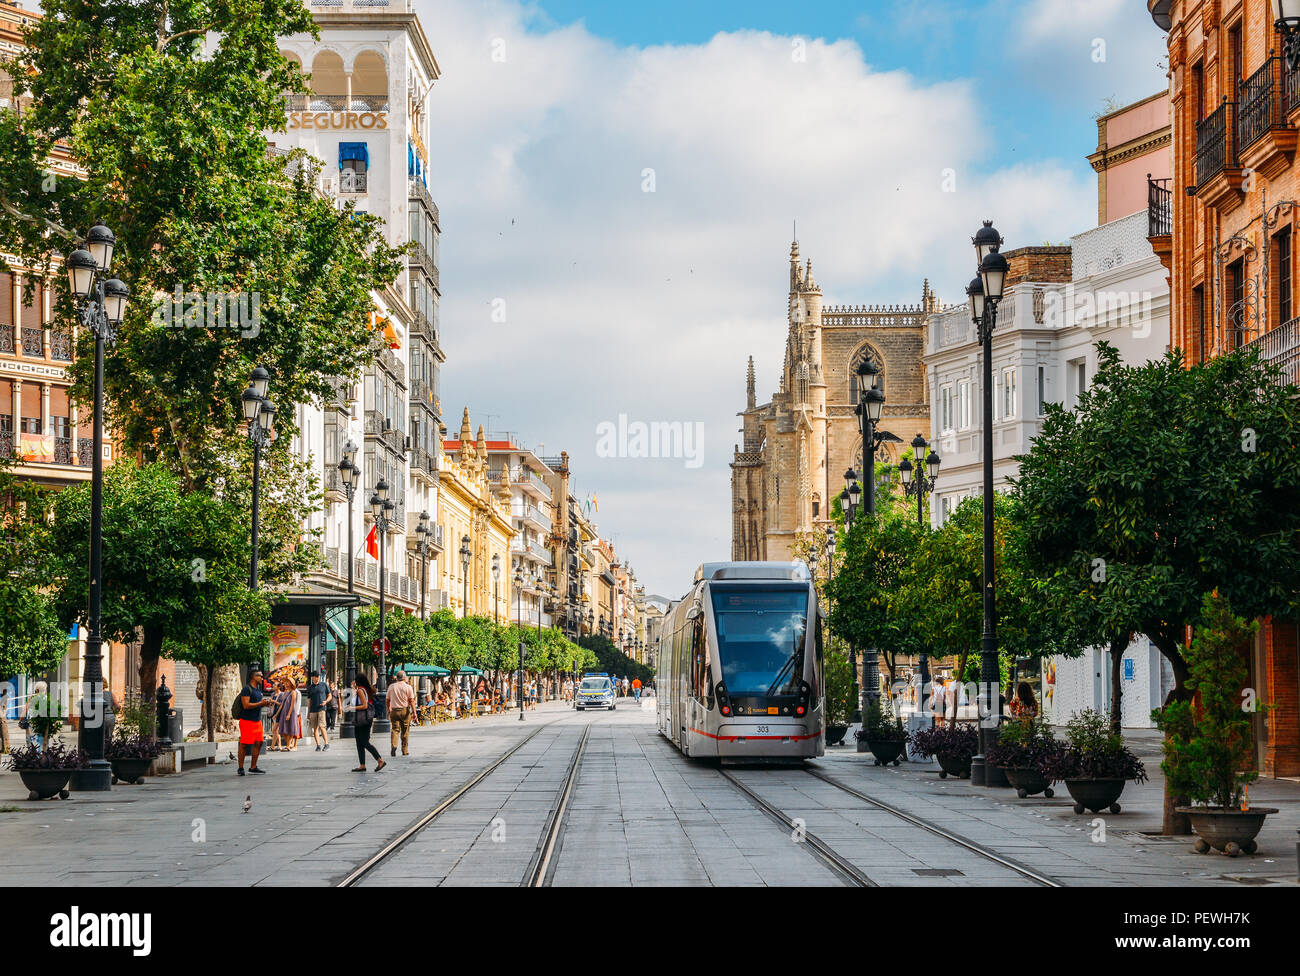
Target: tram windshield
761, 639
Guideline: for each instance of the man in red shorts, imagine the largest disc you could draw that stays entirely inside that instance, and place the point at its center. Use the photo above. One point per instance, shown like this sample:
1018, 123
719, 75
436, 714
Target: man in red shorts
250, 725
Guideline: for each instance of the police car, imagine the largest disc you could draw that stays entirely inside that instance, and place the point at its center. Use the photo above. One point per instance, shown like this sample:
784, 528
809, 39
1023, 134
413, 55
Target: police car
596, 691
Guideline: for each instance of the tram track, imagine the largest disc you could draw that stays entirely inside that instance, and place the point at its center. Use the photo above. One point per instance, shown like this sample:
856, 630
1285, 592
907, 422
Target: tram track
974, 847
539, 868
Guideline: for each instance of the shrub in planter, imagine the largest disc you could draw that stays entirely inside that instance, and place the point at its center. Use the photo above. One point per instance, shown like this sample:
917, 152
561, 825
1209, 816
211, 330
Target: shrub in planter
883, 733
1209, 753
952, 745
1024, 750
839, 697
130, 756
45, 772
1095, 763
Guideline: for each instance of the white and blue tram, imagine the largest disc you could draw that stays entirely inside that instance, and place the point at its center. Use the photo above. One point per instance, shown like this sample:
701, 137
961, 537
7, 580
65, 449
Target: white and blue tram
740, 665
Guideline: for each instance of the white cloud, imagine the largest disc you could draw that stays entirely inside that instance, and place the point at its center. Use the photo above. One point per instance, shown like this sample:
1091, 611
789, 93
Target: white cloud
648, 304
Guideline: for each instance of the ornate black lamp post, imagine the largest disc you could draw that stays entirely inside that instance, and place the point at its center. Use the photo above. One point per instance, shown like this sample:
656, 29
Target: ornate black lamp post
985, 292
350, 475
917, 482
465, 553
830, 572
422, 534
1286, 20
496, 581
381, 509
519, 626
102, 302
850, 499
260, 414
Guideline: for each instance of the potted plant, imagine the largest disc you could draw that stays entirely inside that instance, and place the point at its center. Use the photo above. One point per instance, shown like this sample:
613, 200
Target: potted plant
46, 771
1095, 764
883, 733
130, 756
1025, 748
1209, 754
953, 745
839, 697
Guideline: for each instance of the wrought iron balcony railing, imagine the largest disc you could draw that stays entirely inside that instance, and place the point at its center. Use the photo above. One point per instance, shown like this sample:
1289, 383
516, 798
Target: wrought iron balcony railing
1160, 218
1260, 99
1281, 346
1216, 148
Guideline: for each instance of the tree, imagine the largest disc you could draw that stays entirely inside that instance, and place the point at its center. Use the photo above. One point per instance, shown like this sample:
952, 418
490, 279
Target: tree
31, 640
613, 661
1166, 482
408, 637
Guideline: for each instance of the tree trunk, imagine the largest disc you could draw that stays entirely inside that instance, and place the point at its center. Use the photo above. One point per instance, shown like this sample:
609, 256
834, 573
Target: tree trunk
1175, 823
150, 650
1117, 646
219, 688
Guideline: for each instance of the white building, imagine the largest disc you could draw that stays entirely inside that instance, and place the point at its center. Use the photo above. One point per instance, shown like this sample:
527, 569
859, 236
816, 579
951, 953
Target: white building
1044, 350
372, 71
533, 516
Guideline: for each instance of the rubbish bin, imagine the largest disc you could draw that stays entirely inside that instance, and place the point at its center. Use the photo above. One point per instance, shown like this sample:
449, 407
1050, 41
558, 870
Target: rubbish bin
176, 726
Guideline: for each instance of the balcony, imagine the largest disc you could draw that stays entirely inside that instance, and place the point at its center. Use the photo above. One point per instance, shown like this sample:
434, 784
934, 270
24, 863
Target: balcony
1281, 347
532, 552
418, 191
421, 326
1218, 170
1266, 141
422, 394
376, 426
413, 539
1160, 220
32, 342
421, 257
532, 515
353, 181
385, 358
422, 462
61, 345
6, 339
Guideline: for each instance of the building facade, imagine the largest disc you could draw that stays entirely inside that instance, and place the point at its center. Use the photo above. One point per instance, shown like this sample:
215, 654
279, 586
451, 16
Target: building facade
474, 513
798, 445
1226, 227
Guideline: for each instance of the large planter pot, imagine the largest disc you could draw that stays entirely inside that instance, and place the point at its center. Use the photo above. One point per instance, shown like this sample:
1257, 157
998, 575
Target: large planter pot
1027, 781
1095, 794
952, 766
886, 751
835, 734
45, 783
1231, 831
129, 770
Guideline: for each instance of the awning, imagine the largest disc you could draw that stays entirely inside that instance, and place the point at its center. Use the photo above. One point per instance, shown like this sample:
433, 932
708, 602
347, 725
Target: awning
353, 150
466, 669
424, 671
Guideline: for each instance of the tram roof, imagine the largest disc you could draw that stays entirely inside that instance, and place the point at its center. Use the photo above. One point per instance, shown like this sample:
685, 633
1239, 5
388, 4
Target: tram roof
751, 570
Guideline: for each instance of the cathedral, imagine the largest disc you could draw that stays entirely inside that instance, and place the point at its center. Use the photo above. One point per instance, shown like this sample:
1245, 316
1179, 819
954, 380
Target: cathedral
797, 446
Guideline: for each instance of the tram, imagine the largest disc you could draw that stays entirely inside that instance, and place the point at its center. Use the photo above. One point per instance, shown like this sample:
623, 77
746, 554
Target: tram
740, 674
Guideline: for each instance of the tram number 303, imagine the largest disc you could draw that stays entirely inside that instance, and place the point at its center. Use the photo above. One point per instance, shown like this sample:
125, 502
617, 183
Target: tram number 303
762, 730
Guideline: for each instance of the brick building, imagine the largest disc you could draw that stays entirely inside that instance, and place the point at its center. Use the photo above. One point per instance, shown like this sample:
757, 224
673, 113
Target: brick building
797, 446
1229, 229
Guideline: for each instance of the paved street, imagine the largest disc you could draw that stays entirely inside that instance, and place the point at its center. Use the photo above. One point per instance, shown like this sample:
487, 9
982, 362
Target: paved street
639, 814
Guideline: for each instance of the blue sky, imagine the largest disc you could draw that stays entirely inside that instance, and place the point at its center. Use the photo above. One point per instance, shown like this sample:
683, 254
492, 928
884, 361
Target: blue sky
622, 177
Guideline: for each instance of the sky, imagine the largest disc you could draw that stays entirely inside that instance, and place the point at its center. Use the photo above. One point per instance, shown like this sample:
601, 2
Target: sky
617, 185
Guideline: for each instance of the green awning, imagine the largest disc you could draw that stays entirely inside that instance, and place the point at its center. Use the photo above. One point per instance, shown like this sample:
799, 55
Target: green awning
425, 671
466, 669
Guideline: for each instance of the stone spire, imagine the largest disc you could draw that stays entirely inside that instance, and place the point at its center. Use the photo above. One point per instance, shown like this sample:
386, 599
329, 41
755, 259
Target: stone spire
466, 445
503, 487
481, 448
750, 398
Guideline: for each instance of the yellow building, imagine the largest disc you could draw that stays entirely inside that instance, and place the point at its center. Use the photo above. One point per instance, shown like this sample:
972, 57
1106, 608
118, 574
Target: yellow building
474, 514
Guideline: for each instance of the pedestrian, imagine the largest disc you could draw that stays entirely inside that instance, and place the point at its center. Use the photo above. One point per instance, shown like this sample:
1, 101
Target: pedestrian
401, 701
331, 709
318, 698
636, 689
36, 715
110, 713
252, 706
363, 717
276, 696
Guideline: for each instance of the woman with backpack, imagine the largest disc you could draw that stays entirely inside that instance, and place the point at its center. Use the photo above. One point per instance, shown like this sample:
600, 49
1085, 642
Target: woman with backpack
363, 717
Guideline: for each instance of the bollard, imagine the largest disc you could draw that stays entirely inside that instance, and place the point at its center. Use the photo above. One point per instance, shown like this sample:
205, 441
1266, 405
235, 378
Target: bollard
164, 700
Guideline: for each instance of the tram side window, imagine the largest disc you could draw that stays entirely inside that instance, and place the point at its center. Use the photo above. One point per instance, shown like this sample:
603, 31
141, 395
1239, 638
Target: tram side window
818, 660
701, 673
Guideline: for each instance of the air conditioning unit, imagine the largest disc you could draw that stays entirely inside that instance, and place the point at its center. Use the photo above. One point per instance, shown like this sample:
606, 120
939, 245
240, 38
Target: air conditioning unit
327, 184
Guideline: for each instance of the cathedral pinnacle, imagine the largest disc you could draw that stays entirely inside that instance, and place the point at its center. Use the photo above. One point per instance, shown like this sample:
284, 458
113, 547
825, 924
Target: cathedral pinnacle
750, 397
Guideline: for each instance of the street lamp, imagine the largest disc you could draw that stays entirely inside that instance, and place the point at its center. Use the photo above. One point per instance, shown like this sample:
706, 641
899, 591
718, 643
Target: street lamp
381, 510
917, 482
102, 301
350, 475
519, 626
465, 553
1286, 20
422, 534
496, 580
260, 414
830, 576
984, 293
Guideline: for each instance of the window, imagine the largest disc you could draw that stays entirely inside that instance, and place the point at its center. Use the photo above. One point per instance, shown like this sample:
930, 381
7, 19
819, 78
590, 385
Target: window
945, 407
964, 404
1236, 303
1283, 275
1198, 87
1008, 393
1236, 64
1079, 377
1198, 317
1042, 389
354, 160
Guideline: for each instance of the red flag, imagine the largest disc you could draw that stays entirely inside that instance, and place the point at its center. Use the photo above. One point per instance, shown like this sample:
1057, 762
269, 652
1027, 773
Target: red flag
372, 543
